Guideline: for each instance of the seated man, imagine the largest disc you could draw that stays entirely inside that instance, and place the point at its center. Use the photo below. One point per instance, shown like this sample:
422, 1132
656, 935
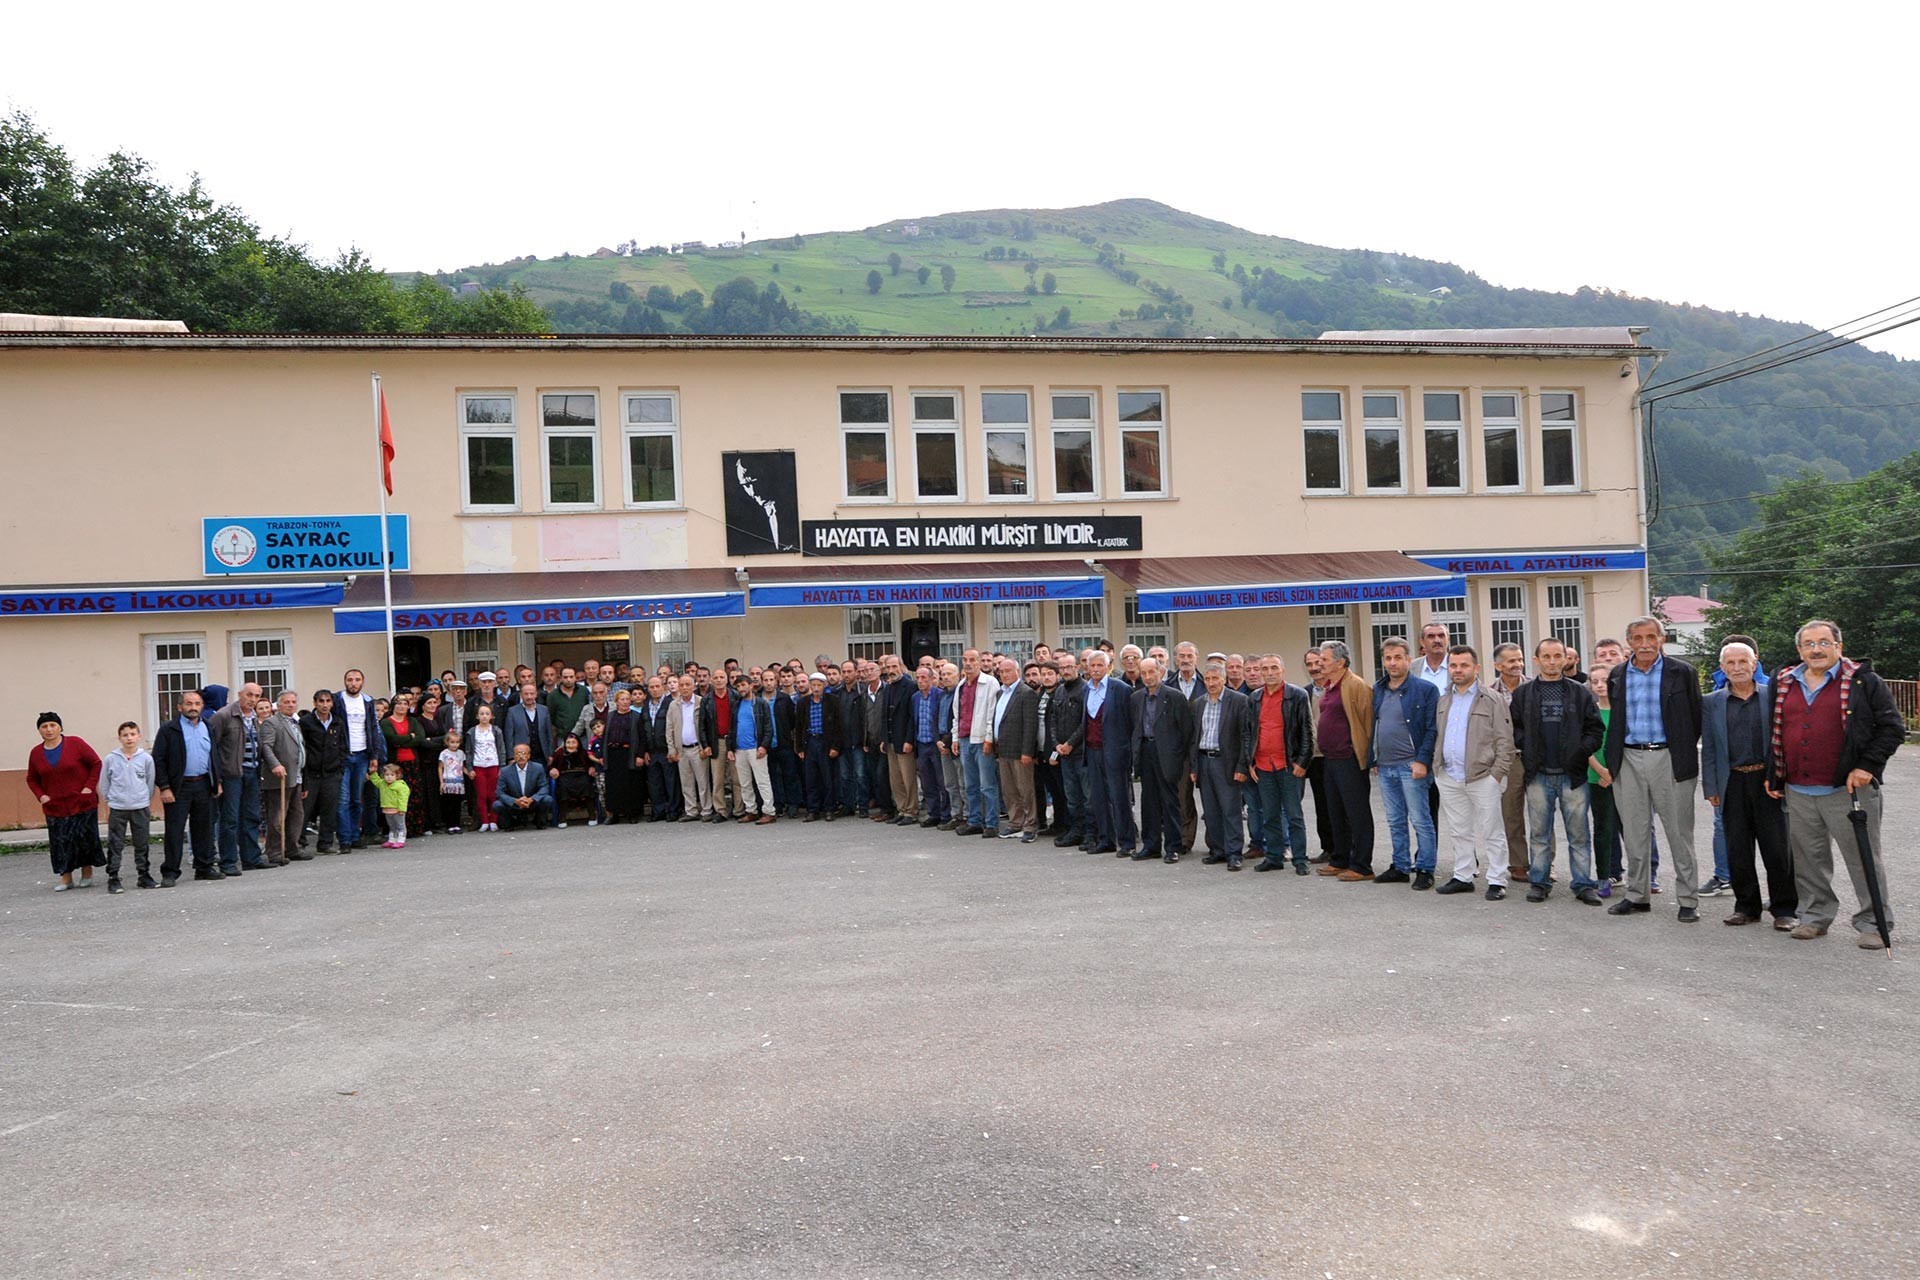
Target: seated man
523, 791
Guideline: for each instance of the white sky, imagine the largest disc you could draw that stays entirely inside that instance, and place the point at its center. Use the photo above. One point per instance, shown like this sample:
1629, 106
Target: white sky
1753, 157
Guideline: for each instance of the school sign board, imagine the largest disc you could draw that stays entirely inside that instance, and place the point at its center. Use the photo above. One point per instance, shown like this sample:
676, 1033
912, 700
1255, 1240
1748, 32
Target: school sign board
280, 545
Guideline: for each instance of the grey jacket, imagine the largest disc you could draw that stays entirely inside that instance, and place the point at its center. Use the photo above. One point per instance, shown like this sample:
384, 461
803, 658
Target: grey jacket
281, 744
1489, 736
228, 737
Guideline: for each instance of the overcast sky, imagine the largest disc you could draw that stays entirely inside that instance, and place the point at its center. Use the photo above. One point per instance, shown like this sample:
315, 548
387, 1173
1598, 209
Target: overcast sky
1752, 157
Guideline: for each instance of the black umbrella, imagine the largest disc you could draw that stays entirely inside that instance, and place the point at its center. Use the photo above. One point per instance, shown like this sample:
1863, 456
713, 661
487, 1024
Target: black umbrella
1858, 817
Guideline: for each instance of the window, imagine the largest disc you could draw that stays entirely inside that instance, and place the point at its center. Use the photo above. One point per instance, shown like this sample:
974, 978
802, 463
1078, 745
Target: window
570, 448
936, 445
1325, 420
1384, 429
1567, 615
672, 643
1148, 629
952, 620
1013, 630
1558, 426
264, 658
1326, 623
870, 631
1444, 430
1507, 609
488, 478
1500, 436
1076, 458
1009, 435
475, 649
1391, 618
1143, 442
1450, 612
866, 445
175, 665
1081, 623
650, 427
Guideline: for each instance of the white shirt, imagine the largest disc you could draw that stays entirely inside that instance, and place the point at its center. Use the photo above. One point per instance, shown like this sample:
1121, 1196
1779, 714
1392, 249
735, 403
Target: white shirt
355, 711
1441, 681
687, 711
485, 741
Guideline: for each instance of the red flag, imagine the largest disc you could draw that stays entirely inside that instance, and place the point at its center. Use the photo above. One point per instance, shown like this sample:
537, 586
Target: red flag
386, 444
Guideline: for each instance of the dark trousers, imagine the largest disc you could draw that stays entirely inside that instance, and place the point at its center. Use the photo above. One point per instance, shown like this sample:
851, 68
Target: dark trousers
191, 813
322, 807
1322, 817
1350, 808
1111, 797
661, 780
934, 801
1220, 798
1606, 832
121, 822
1073, 789
1050, 807
1159, 805
1752, 817
818, 768
879, 784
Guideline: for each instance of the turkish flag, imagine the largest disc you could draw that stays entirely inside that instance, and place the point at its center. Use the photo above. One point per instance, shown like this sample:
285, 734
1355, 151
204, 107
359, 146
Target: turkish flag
386, 444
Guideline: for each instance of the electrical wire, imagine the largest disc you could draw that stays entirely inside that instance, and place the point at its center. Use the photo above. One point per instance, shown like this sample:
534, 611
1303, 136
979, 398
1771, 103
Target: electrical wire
1834, 343
1784, 346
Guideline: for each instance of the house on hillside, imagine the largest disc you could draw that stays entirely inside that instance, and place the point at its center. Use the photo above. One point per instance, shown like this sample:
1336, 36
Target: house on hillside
1442, 292
1686, 618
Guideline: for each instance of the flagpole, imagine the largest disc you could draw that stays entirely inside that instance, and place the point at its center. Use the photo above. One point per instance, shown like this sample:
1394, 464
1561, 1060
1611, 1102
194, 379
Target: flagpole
386, 554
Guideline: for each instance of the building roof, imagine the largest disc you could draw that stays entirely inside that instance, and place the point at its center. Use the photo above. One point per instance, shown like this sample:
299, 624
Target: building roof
1594, 336
1685, 611
25, 322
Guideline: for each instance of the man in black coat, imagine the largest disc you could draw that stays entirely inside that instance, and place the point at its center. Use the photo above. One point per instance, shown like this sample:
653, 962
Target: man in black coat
1556, 731
325, 735
184, 776
816, 742
1218, 764
1067, 720
903, 770
1280, 763
1162, 745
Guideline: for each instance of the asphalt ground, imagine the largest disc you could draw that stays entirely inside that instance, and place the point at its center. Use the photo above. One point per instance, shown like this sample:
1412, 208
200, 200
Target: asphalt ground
853, 1050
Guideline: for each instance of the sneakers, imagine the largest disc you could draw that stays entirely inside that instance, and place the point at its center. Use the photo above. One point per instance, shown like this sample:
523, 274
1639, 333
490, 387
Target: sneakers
1495, 892
1714, 887
561, 826
1392, 875
1423, 880
1455, 886
1606, 889
453, 831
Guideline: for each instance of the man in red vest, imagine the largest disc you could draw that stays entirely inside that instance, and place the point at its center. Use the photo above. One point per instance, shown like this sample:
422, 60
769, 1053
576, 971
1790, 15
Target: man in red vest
1834, 728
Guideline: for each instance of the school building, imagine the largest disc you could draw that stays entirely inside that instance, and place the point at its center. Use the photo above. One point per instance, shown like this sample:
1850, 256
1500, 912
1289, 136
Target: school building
193, 508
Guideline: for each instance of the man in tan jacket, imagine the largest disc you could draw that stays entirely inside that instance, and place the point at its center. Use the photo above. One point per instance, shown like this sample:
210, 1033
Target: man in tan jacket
1343, 714
1472, 758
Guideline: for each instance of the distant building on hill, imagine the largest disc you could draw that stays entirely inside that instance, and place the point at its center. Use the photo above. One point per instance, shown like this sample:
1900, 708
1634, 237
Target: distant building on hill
1686, 621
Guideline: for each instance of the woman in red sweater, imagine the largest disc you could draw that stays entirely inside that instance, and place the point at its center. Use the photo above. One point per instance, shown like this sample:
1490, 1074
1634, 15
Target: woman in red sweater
64, 773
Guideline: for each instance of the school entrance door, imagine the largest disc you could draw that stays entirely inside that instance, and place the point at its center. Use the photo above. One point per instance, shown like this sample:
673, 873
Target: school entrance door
573, 648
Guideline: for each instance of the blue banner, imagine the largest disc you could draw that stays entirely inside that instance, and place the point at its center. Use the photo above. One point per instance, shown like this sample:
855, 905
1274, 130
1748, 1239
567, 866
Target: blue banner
1599, 560
301, 544
847, 594
81, 603
540, 613
1286, 595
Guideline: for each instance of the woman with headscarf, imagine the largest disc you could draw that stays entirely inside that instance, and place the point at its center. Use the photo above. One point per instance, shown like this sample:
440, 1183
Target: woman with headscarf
64, 773
572, 775
624, 743
405, 733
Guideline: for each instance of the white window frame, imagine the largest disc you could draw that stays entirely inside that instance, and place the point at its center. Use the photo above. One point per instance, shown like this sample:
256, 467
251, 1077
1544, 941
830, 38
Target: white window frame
508, 431
1007, 634
475, 649
236, 640
1160, 429
631, 431
1571, 426
157, 666
1091, 426
990, 429
867, 640
954, 641
1396, 424
1457, 427
590, 434
1517, 424
883, 429
1388, 618
954, 428
1147, 629
1312, 426
1502, 616
1327, 630
1452, 612
1079, 623
671, 642
1563, 617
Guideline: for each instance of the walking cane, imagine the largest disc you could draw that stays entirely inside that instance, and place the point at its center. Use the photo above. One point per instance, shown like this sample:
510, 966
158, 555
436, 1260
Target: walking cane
285, 781
1858, 817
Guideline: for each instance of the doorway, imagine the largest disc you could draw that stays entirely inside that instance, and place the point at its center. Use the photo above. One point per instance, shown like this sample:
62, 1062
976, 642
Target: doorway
412, 661
573, 648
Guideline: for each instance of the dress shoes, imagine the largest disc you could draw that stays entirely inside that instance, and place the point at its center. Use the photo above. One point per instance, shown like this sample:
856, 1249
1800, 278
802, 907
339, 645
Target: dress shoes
1689, 915
1233, 864
1784, 923
1350, 876
1808, 932
1213, 859
1143, 856
1495, 892
1624, 907
811, 817
1173, 856
1392, 875
1537, 892
1065, 842
208, 874
968, 830
1268, 864
1741, 917
1588, 897
167, 882
1456, 886
1328, 871
1300, 869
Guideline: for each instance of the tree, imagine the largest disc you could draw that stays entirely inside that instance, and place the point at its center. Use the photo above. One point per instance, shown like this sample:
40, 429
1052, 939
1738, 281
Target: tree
893, 264
1031, 267
621, 292
923, 274
946, 277
1063, 318
873, 282
1048, 284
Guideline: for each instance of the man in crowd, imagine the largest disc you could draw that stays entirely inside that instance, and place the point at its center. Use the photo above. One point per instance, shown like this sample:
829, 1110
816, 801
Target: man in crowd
282, 755
1403, 737
1162, 721
1129, 673
1835, 726
325, 735
565, 701
948, 675
1282, 724
1049, 793
1219, 761
1509, 672
531, 723
236, 753
1345, 722
1722, 878
1068, 719
1556, 730
899, 743
1015, 730
183, 775
973, 733
930, 719
1431, 666
1475, 737
748, 747
1108, 739
1736, 727
523, 789
487, 693
819, 718
1653, 752
690, 744
1317, 764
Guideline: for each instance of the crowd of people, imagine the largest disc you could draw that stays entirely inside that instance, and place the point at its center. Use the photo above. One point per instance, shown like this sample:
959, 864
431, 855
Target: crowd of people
1137, 754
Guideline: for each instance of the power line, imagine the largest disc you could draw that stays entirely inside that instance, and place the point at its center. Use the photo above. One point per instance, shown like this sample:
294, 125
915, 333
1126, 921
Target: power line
1715, 408
1783, 346
1834, 343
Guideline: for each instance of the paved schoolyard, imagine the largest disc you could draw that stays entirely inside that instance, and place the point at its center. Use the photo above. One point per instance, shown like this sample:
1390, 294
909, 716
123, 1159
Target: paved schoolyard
851, 1050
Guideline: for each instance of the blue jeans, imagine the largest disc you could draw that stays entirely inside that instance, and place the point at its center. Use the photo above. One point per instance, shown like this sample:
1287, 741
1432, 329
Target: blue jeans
980, 773
347, 814
853, 779
1405, 797
1284, 822
1073, 780
1569, 792
1720, 867
240, 821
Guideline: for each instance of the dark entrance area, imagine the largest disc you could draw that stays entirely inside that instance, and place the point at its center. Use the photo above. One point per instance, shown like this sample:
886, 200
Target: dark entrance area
574, 647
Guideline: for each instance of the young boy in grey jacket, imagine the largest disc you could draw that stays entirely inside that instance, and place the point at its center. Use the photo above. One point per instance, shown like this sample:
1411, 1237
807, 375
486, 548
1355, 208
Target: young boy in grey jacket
126, 780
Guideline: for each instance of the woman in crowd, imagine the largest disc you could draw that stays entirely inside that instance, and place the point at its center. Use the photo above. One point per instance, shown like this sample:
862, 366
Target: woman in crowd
406, 738
572, 776
1606, 819
64, 773
624, 743
429, 717
486, 748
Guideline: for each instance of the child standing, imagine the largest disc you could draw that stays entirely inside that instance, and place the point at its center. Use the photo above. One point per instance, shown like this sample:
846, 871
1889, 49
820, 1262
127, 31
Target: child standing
394, 794
453, 782
126, 780
488, 743
597, 766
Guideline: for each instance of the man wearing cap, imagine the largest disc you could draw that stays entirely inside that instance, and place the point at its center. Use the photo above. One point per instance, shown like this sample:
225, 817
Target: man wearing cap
817, 745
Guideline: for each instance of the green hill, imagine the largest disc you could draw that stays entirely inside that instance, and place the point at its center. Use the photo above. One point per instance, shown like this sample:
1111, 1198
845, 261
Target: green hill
1140, 268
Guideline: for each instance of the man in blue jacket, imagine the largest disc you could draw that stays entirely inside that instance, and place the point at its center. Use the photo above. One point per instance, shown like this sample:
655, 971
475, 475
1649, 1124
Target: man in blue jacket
1404, 711
1736, 729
